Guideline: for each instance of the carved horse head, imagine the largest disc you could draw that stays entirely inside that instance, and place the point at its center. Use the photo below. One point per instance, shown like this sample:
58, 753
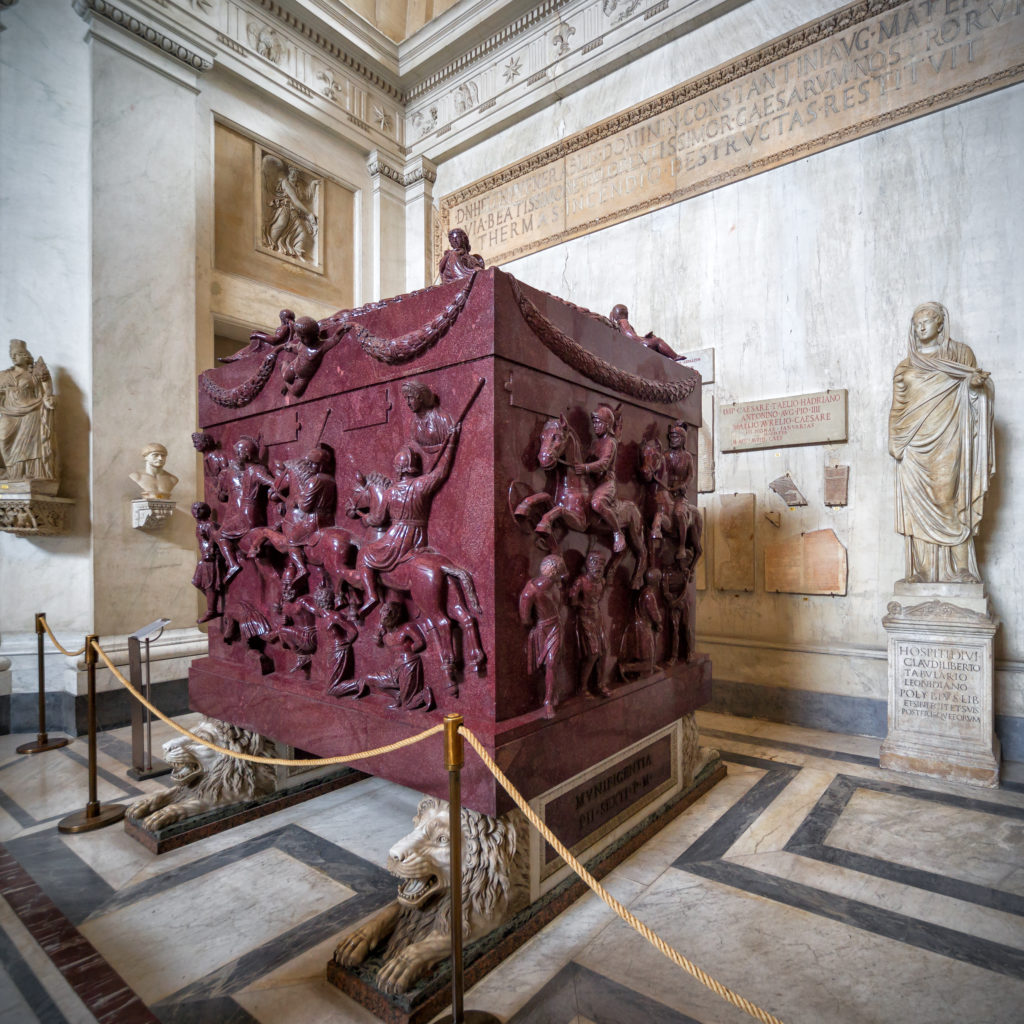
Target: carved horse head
368, 494
650, 459
555, 437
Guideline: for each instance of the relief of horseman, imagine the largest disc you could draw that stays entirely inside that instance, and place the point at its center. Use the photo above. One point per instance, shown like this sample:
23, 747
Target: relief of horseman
401, 559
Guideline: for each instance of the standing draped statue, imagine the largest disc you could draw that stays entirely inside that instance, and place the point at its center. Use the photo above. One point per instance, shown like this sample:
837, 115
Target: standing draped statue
27, 444
940, 434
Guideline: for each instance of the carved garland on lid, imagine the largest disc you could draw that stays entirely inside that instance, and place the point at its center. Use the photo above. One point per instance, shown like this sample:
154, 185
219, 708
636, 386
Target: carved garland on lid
413, 344
386, 350
594, 367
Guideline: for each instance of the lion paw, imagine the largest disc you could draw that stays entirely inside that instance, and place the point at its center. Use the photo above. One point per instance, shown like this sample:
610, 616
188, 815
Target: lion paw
162, 818
399, 973
141, 808
353, 949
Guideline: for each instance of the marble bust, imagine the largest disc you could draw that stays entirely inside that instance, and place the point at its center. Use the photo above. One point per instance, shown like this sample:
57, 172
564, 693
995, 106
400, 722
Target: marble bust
940, 434
154, 480
28, 449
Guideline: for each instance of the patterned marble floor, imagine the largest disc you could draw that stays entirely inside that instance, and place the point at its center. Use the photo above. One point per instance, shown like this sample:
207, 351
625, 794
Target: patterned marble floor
810, 881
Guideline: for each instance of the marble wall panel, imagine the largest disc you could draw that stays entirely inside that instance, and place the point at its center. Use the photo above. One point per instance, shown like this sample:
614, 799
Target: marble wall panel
44, 222
327, 276
803, 279
143, 287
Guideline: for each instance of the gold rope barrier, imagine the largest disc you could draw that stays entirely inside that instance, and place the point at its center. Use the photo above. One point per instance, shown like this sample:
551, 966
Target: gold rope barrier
301, 763
637, 925
663, 947
56, 643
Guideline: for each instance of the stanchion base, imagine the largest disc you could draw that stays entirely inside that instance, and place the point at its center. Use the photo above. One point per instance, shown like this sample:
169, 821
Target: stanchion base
80, 821
158, 769
42, 743
479, 1017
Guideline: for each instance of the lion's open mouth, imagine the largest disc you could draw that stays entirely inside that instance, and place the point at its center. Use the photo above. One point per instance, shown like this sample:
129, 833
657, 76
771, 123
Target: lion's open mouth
186, 773
414, 891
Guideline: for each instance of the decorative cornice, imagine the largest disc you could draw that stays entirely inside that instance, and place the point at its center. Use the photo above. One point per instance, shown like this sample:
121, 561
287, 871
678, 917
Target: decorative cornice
287, 18
421, 173
935, 611
153, 36
475, 53
378, 163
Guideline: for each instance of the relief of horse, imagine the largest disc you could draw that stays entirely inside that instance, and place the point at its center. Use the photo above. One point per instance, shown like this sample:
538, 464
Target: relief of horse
330, 549
440, 588
569, 506
668, 515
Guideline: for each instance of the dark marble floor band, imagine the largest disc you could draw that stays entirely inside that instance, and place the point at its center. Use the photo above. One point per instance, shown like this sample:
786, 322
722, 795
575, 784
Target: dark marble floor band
94, 981
811, 840
576, 991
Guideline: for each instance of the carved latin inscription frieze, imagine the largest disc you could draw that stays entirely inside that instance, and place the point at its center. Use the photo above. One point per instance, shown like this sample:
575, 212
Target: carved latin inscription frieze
859, 70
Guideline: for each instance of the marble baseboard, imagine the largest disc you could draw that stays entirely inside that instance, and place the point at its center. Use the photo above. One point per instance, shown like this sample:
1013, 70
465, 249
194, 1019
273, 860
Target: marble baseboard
859, 716
69, 713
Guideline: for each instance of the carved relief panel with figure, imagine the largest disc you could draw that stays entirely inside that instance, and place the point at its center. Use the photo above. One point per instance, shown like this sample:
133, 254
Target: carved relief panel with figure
290, 210
474, 498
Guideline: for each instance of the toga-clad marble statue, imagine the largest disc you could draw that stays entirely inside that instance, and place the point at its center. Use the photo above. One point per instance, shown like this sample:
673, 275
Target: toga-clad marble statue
940, 434
27, 443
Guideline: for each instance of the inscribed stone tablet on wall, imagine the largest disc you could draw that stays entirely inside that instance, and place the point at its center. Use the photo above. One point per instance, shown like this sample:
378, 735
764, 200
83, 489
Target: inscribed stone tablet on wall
734, 542
818, 418
706, 442
703, 361
813, 563
859, 70
837, 483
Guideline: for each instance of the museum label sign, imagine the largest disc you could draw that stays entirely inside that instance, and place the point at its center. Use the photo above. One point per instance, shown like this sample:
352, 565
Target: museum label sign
863, 68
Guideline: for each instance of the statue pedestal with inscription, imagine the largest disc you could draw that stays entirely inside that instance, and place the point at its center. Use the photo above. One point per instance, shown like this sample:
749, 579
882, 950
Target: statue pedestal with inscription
940, 683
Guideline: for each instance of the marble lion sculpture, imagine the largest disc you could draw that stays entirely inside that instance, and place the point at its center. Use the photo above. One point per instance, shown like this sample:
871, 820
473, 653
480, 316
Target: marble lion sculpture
417, 926
205, 779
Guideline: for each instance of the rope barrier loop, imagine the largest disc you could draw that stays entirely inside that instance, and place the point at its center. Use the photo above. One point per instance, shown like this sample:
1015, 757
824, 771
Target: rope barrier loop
41, 618
635, 923
255, 759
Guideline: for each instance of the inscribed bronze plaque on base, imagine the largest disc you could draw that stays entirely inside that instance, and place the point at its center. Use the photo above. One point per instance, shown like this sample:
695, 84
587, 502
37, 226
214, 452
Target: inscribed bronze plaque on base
590, 810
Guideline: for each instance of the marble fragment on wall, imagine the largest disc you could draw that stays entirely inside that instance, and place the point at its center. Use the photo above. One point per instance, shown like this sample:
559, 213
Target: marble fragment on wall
812, 563
734, 542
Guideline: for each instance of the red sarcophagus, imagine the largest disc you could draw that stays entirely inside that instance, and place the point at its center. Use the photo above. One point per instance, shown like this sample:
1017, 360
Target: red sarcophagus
474, 498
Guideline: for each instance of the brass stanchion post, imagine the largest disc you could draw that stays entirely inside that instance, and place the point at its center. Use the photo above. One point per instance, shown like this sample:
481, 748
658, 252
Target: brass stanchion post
43, 742
95, 815
454, 758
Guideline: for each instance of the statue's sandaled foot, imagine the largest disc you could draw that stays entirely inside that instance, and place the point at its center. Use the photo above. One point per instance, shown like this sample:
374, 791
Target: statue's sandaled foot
601, 690
549, 708
367, 606
207, 617
231, 574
